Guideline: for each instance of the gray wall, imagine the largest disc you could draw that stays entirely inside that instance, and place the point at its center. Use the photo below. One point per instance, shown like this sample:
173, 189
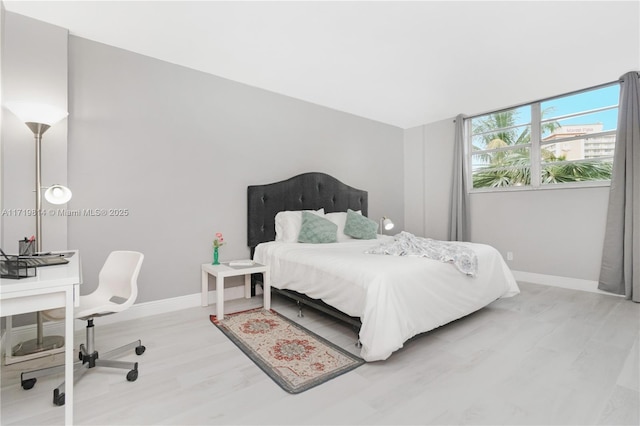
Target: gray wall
554, 232
2, 25
428, 176
178, 148
34, 69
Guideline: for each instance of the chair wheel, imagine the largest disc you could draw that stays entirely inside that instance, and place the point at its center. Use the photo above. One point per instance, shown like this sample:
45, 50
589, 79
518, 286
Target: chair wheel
132, 375
140, 350
58, 398
28, 384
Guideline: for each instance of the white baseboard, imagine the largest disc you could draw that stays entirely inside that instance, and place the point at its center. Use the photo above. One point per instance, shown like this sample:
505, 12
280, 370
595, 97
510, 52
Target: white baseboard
562, 282
139, 310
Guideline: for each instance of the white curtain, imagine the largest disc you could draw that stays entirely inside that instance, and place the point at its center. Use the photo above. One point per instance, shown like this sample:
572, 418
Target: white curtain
459, 229
620, 269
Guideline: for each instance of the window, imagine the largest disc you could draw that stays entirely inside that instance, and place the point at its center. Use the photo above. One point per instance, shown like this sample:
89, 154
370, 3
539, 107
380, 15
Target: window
568, 139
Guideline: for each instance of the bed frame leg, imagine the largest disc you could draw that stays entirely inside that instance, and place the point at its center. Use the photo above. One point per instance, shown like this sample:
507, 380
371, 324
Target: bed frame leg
358, 342
300, 314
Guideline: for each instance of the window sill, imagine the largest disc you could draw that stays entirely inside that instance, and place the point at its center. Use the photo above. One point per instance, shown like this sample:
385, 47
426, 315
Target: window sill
551, 187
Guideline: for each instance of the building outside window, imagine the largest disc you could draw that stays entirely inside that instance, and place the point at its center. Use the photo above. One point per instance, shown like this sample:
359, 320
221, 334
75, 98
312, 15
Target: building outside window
568, 140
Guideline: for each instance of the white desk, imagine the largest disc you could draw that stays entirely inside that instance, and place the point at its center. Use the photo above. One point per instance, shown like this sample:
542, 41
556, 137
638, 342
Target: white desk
53, 287
223, 271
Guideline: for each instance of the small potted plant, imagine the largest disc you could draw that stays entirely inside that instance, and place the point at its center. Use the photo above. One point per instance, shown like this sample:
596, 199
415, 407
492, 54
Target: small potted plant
217, 243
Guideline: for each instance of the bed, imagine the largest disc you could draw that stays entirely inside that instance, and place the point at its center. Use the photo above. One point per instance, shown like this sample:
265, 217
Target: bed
393, 298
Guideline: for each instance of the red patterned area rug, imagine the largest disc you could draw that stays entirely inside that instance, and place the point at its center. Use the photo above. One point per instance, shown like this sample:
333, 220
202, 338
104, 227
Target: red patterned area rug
294, 357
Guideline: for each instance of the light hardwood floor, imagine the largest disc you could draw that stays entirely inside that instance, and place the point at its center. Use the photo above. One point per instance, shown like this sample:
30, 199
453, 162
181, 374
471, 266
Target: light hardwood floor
547, 356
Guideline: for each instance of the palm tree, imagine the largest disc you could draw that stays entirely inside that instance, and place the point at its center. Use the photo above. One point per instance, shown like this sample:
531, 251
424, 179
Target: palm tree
576, 171
509, 165
510, 168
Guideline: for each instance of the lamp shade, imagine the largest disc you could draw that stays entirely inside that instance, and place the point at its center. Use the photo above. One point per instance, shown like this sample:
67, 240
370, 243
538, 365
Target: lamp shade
387, 224
58, 194
30, 112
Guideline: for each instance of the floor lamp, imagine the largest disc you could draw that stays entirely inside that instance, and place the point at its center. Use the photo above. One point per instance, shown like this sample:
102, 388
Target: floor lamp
39, 118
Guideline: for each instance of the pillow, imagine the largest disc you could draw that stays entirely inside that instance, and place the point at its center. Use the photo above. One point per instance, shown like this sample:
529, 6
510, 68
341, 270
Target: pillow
288, 224
340, 218
316, 229
359, 226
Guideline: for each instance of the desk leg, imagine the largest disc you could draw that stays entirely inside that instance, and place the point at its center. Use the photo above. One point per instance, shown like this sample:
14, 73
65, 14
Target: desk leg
68, 357
205, 289
247, 286
267, 289
220, 296
8, 344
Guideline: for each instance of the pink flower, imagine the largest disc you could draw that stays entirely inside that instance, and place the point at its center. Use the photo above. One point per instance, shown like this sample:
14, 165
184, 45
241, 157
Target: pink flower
218, 241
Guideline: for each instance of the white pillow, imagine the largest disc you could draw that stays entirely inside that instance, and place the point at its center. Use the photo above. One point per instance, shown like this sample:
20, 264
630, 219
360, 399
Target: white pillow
340, 219
288, 224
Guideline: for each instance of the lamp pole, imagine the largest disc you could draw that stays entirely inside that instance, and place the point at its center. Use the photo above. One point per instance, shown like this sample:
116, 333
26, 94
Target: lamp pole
38, 130
40, 343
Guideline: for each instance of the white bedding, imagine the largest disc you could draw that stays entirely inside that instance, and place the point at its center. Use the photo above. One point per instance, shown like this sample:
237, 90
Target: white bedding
395, 297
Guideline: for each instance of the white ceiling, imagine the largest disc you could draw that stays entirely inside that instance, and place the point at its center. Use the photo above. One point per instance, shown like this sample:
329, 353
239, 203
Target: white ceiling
401, 63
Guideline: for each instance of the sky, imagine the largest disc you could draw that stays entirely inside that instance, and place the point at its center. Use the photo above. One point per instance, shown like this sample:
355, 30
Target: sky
579, 102
603, 97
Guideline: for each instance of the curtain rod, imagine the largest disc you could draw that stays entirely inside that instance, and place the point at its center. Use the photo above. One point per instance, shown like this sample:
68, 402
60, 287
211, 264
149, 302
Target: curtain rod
597, 86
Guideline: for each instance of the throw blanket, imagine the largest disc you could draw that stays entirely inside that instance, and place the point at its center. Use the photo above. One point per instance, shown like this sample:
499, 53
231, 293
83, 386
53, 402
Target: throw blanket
407, 244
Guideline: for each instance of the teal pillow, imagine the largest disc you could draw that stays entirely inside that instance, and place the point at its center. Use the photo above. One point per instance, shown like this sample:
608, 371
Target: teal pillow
359, 226
316, 229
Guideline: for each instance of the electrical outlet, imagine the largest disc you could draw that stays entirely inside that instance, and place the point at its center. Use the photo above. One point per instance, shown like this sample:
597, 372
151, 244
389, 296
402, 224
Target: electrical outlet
509, 255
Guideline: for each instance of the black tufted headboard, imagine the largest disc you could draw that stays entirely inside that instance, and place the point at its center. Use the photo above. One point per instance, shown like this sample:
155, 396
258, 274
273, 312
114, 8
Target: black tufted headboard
308, 191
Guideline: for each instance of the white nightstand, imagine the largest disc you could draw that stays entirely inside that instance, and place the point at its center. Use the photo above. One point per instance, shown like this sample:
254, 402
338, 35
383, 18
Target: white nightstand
222, 271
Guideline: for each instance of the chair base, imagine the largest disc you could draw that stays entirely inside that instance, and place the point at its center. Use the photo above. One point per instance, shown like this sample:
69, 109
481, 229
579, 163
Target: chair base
87, 361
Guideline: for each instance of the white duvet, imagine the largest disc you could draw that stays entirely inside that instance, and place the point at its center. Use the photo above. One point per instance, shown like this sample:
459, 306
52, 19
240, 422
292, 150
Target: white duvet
395, 297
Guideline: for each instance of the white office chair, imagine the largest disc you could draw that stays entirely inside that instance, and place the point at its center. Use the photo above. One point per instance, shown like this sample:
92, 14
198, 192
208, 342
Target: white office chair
117, 290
